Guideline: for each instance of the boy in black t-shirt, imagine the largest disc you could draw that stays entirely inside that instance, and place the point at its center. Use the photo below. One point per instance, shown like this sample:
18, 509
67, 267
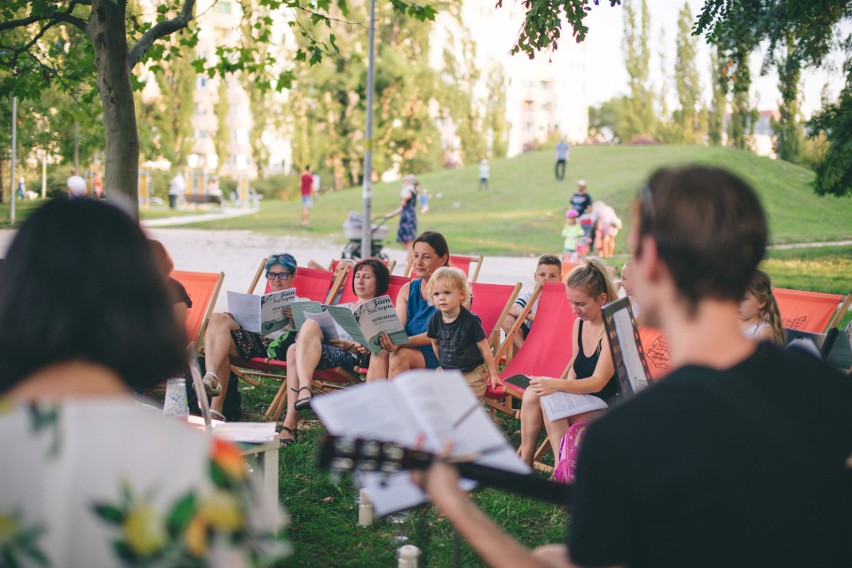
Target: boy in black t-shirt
456, 333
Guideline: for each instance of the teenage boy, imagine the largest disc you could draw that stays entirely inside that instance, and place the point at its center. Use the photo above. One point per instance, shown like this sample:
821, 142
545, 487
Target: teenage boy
740, 456
549, 269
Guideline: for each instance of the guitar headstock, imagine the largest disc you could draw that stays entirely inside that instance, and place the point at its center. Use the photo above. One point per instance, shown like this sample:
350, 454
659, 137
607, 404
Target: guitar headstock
346, 454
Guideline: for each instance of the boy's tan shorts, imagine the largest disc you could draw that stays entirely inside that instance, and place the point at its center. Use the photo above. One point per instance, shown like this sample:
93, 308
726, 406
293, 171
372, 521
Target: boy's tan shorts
477, 379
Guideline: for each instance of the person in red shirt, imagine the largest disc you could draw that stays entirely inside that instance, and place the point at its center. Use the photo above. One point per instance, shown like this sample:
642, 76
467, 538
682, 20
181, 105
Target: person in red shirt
307, 191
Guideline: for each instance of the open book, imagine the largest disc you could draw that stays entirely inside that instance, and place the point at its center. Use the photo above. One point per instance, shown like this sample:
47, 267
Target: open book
439, 406
364, 324
261, 314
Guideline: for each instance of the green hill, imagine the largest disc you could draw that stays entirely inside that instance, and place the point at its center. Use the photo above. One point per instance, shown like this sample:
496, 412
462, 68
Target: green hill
523, 212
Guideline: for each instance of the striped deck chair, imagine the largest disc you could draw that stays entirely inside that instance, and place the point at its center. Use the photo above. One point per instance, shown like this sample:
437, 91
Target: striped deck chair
814, 312
492, 302
203, 289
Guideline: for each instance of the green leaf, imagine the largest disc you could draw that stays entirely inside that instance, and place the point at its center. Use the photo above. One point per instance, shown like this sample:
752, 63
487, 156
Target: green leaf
110, 513
181, 514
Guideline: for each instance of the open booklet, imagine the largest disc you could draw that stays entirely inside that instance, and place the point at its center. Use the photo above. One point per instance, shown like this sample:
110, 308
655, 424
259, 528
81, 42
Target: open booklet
364, 324
439, 406
260, 314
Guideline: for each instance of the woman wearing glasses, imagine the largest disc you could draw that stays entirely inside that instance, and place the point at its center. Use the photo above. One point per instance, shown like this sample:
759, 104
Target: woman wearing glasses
225, 338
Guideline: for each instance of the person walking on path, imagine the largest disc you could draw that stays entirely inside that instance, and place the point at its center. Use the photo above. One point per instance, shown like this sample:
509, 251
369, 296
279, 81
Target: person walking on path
307, 191
484, 171
177, 187
581, 200
562, 149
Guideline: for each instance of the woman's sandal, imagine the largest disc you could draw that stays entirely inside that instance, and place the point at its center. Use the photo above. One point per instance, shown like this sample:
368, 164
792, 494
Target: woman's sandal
302, 403
217, 415
214, 386
286, 442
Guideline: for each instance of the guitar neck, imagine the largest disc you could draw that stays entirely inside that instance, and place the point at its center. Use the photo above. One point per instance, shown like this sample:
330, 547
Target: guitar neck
527, 485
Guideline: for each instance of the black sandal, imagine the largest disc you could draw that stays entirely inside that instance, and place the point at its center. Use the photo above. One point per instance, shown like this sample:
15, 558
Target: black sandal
303, 403
287, 442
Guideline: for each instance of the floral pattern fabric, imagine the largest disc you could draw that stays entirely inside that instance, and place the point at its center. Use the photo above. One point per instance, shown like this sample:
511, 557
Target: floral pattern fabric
111, 483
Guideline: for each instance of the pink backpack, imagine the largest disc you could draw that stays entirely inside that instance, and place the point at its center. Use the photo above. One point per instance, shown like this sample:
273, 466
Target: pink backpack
569, 449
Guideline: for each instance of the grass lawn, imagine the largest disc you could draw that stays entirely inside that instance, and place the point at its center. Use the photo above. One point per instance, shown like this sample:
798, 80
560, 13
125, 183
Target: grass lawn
523, 212
324, 530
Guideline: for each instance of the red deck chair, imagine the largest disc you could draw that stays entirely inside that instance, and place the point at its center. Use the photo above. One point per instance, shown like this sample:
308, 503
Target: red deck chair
813, 312
313, 284
656, 349
492, 302
203, 289
545, 352
567, 267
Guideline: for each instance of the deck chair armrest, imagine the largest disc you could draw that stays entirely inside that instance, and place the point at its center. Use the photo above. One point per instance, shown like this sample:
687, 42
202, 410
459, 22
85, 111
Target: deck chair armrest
257, 276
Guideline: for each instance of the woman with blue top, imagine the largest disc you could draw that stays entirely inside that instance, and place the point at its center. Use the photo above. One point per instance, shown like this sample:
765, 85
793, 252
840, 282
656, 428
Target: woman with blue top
413, 305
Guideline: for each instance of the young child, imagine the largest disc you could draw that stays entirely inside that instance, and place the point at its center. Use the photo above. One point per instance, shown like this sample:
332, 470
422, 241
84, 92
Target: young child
424, 200
548, 269
571, 232
760, 319
456, 333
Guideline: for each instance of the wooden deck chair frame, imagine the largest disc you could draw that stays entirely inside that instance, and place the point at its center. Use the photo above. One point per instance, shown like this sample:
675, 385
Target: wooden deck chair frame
391, 264
211, 302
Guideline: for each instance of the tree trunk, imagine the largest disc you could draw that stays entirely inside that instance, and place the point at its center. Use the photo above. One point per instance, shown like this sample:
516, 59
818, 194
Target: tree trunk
108, 35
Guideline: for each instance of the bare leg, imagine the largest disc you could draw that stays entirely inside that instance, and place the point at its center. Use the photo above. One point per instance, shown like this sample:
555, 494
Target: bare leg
378, 370
409, 251
218, 349
291, 419
308, 353
532, 421
405, 359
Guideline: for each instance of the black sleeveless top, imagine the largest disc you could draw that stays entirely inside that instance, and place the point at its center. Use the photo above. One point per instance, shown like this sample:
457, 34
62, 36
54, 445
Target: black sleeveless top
584, 367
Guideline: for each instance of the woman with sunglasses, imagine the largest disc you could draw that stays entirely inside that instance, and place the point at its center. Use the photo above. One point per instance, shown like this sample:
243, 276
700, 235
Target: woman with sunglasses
225, 338
310, 352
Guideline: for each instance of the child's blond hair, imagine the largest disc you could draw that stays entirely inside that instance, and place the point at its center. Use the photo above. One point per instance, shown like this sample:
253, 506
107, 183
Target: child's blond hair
455, 278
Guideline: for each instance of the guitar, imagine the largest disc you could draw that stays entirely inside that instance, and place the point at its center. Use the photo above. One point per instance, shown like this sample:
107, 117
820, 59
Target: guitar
345, 454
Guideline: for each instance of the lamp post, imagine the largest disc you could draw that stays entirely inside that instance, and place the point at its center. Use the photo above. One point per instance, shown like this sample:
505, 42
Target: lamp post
14, 143
367, 192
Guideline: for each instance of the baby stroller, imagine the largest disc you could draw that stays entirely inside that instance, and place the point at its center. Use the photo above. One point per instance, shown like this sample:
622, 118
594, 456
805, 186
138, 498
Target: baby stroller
353, 229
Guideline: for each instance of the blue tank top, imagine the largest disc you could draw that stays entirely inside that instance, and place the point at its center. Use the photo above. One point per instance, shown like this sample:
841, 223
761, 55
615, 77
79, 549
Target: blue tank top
419, 310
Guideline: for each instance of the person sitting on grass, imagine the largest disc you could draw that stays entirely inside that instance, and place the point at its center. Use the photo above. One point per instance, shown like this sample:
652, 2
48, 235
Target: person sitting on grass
591, 370
549, 269
459, 341
760, 319
311, 351
225, 338
414, 307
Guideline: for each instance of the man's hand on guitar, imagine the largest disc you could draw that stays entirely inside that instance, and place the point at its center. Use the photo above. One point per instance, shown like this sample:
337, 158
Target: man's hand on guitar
441, 480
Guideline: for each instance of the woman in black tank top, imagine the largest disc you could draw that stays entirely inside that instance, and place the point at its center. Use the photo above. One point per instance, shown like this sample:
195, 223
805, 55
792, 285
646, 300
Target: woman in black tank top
591, 370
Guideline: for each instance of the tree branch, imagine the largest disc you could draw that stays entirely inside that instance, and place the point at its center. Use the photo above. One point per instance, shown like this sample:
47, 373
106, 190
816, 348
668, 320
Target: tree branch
162, 29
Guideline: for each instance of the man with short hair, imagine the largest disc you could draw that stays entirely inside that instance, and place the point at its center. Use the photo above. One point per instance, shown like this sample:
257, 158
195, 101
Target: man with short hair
306, 190
740, 456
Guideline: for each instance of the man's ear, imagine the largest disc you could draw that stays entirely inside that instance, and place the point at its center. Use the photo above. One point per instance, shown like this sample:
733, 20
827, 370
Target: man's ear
651, 262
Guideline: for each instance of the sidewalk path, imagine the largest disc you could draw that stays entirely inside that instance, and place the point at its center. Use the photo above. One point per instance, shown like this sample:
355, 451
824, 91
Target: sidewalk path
187, 219
238, 253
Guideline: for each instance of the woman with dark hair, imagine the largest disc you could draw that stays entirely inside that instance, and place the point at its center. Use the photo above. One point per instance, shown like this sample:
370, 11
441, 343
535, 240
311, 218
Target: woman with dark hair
225, 338
310, 352
414, 307
83, 449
